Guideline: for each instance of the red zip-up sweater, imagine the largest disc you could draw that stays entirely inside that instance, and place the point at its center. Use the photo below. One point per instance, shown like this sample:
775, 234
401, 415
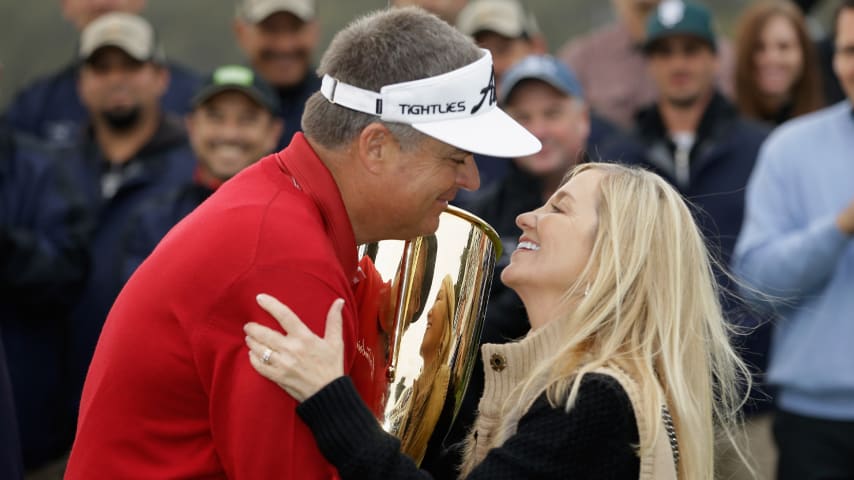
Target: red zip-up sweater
170, 392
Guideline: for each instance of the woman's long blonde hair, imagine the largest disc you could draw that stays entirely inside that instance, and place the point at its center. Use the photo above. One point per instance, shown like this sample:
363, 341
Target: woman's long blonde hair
651, 307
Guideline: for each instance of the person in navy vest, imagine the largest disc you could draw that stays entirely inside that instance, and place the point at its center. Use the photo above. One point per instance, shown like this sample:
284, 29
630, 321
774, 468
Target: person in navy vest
234, 122
130, 152
279, 38
43, 262
50, 108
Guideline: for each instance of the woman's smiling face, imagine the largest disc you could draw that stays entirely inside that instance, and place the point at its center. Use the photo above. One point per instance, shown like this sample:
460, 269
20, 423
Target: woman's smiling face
556, 241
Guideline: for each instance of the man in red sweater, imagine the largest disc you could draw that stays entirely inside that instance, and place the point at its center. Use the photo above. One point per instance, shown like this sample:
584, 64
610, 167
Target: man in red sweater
405, 101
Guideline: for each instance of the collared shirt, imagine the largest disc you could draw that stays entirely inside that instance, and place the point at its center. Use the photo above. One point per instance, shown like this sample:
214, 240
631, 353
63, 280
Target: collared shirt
171, 392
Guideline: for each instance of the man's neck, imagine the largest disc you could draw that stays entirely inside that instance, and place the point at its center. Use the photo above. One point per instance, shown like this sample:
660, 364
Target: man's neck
120, 146
351, 194
683, 118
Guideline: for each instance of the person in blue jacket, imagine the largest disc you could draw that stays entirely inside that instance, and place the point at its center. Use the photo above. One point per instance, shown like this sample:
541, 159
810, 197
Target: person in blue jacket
797, 246
130, 152
50, 108
234, 122
43, 262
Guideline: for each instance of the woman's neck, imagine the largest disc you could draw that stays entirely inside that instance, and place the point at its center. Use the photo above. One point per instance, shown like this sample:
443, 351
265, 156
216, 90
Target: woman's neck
543, 309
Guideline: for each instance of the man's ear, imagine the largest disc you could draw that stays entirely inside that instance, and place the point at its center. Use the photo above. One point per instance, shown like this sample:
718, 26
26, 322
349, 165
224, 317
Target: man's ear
376, 147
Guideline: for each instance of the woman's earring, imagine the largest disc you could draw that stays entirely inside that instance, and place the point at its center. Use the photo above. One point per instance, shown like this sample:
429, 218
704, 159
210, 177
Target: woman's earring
587, 290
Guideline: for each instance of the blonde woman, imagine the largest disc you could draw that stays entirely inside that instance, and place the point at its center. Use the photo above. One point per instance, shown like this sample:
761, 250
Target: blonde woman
627, 371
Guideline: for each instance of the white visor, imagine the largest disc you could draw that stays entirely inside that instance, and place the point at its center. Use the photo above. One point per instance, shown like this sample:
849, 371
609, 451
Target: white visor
458, 108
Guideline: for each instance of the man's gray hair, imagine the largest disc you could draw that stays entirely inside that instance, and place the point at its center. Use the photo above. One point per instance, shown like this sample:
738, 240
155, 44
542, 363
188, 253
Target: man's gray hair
383, 48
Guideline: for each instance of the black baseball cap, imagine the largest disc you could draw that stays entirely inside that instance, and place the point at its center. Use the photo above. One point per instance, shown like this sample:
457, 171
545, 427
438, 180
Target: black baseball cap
241, 79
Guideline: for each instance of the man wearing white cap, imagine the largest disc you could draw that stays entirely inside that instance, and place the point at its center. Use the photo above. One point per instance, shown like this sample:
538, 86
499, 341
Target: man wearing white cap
50, 108
505, 29
510, 34
130, 152
406, 100
279, 38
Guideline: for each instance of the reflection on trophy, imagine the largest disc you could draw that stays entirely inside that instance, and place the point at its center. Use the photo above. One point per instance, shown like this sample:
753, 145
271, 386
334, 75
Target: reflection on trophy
419, 410
433, 313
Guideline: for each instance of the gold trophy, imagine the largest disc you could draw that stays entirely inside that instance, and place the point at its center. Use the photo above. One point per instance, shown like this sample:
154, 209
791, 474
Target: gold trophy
439, 286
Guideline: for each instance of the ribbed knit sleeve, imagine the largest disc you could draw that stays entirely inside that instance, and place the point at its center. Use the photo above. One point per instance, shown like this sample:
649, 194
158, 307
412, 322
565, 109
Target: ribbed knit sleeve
350, 437
593, 441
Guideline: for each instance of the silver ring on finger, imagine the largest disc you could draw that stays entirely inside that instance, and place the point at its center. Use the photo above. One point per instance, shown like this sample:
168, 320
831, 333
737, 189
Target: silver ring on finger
265, 357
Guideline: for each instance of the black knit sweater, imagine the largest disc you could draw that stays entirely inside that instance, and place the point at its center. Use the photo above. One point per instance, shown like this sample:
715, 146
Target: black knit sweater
593, 441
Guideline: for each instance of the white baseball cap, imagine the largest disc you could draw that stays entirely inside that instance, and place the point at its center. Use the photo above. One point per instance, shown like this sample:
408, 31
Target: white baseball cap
504, 17
459, 108
131, 33
255, 11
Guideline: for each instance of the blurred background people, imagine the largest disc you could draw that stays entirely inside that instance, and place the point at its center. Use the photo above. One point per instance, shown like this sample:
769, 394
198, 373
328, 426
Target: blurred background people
610, 64
234, 122
510, 34
279, 38
797, 247
131, 151
43, 260
505, 29
50, 108
777, 74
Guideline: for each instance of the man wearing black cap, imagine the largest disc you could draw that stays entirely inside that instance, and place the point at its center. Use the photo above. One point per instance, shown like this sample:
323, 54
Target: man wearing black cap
234, 122
694, 138
131, 152
279, 38
611, 66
